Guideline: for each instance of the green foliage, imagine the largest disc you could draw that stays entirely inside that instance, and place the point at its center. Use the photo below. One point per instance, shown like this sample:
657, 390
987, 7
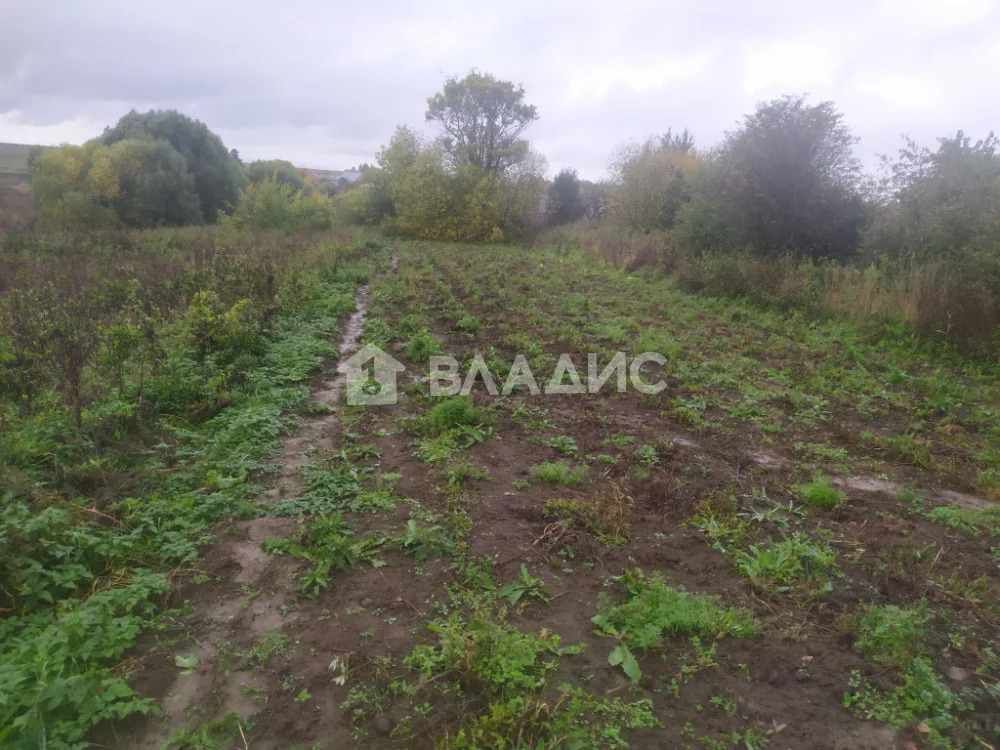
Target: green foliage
421, 543
781, 566
563, 444
565, 198
218, 177
326, 543
437, 449
819, 493
281, 171
652, 340
653, 182
214, 735
421, 346
922, 697
452, 412
487, 648
468, 324
786, 181
327, 489
526, 587
938, 204
192, 379
653, 611
891, 634
420, 191
483, 119
139, 183
573, 718
56, 681
558, 472
647, 455
273, 204
965, 519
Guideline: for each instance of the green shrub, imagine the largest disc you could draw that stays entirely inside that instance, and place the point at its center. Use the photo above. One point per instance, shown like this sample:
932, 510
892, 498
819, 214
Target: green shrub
271, 204
468, 324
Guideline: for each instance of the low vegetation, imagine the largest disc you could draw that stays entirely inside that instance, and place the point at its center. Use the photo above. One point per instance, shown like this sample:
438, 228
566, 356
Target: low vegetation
794, 544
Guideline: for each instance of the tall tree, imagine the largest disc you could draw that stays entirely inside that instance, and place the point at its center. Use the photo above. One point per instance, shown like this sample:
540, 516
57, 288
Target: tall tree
653, 181
941, 203
565, 202
138, 182
282, 171
217, 175
483, 119
788, 181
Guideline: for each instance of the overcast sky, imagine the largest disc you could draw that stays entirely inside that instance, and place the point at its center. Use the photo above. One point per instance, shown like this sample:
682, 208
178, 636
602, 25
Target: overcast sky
324, 83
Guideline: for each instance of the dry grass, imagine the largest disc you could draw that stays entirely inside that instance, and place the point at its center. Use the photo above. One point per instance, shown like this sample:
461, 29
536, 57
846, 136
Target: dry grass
953, 301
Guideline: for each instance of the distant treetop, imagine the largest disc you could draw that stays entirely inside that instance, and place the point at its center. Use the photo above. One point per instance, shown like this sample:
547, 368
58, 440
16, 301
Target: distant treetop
218, 176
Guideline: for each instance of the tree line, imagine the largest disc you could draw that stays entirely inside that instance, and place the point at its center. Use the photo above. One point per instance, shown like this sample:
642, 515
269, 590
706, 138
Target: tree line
783, 188
163, 168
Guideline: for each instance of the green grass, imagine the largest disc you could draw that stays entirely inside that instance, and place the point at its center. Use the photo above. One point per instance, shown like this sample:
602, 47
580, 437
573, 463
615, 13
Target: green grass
820, 493
558, 472
14, 158
454, 411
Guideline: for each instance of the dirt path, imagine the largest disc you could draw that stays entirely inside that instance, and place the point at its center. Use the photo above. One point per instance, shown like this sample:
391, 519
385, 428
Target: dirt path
243, 600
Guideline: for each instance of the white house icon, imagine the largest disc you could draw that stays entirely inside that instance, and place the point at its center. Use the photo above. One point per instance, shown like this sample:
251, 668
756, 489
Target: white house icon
372, 385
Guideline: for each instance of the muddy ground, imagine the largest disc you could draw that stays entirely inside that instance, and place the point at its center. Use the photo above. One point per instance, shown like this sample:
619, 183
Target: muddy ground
277, 658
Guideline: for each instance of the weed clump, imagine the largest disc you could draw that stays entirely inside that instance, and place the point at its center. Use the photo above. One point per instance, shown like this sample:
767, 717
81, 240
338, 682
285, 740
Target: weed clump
653, 611
328, 545
820, 493
783, 566
455, 411
485, 647
890, 634
922, 697
604, 518
421, 346
558, 472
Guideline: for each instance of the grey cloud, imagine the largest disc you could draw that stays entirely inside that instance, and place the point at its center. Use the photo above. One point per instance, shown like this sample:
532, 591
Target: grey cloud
325, 84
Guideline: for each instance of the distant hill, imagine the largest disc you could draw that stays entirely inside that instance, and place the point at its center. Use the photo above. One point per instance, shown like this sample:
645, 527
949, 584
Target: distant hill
14, 157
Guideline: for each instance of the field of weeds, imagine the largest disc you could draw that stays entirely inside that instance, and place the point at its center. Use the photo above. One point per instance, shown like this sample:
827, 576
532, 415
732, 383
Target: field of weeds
792, 545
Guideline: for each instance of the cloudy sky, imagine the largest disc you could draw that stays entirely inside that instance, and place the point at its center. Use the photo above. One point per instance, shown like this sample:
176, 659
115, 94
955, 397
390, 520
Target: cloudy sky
324, 83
